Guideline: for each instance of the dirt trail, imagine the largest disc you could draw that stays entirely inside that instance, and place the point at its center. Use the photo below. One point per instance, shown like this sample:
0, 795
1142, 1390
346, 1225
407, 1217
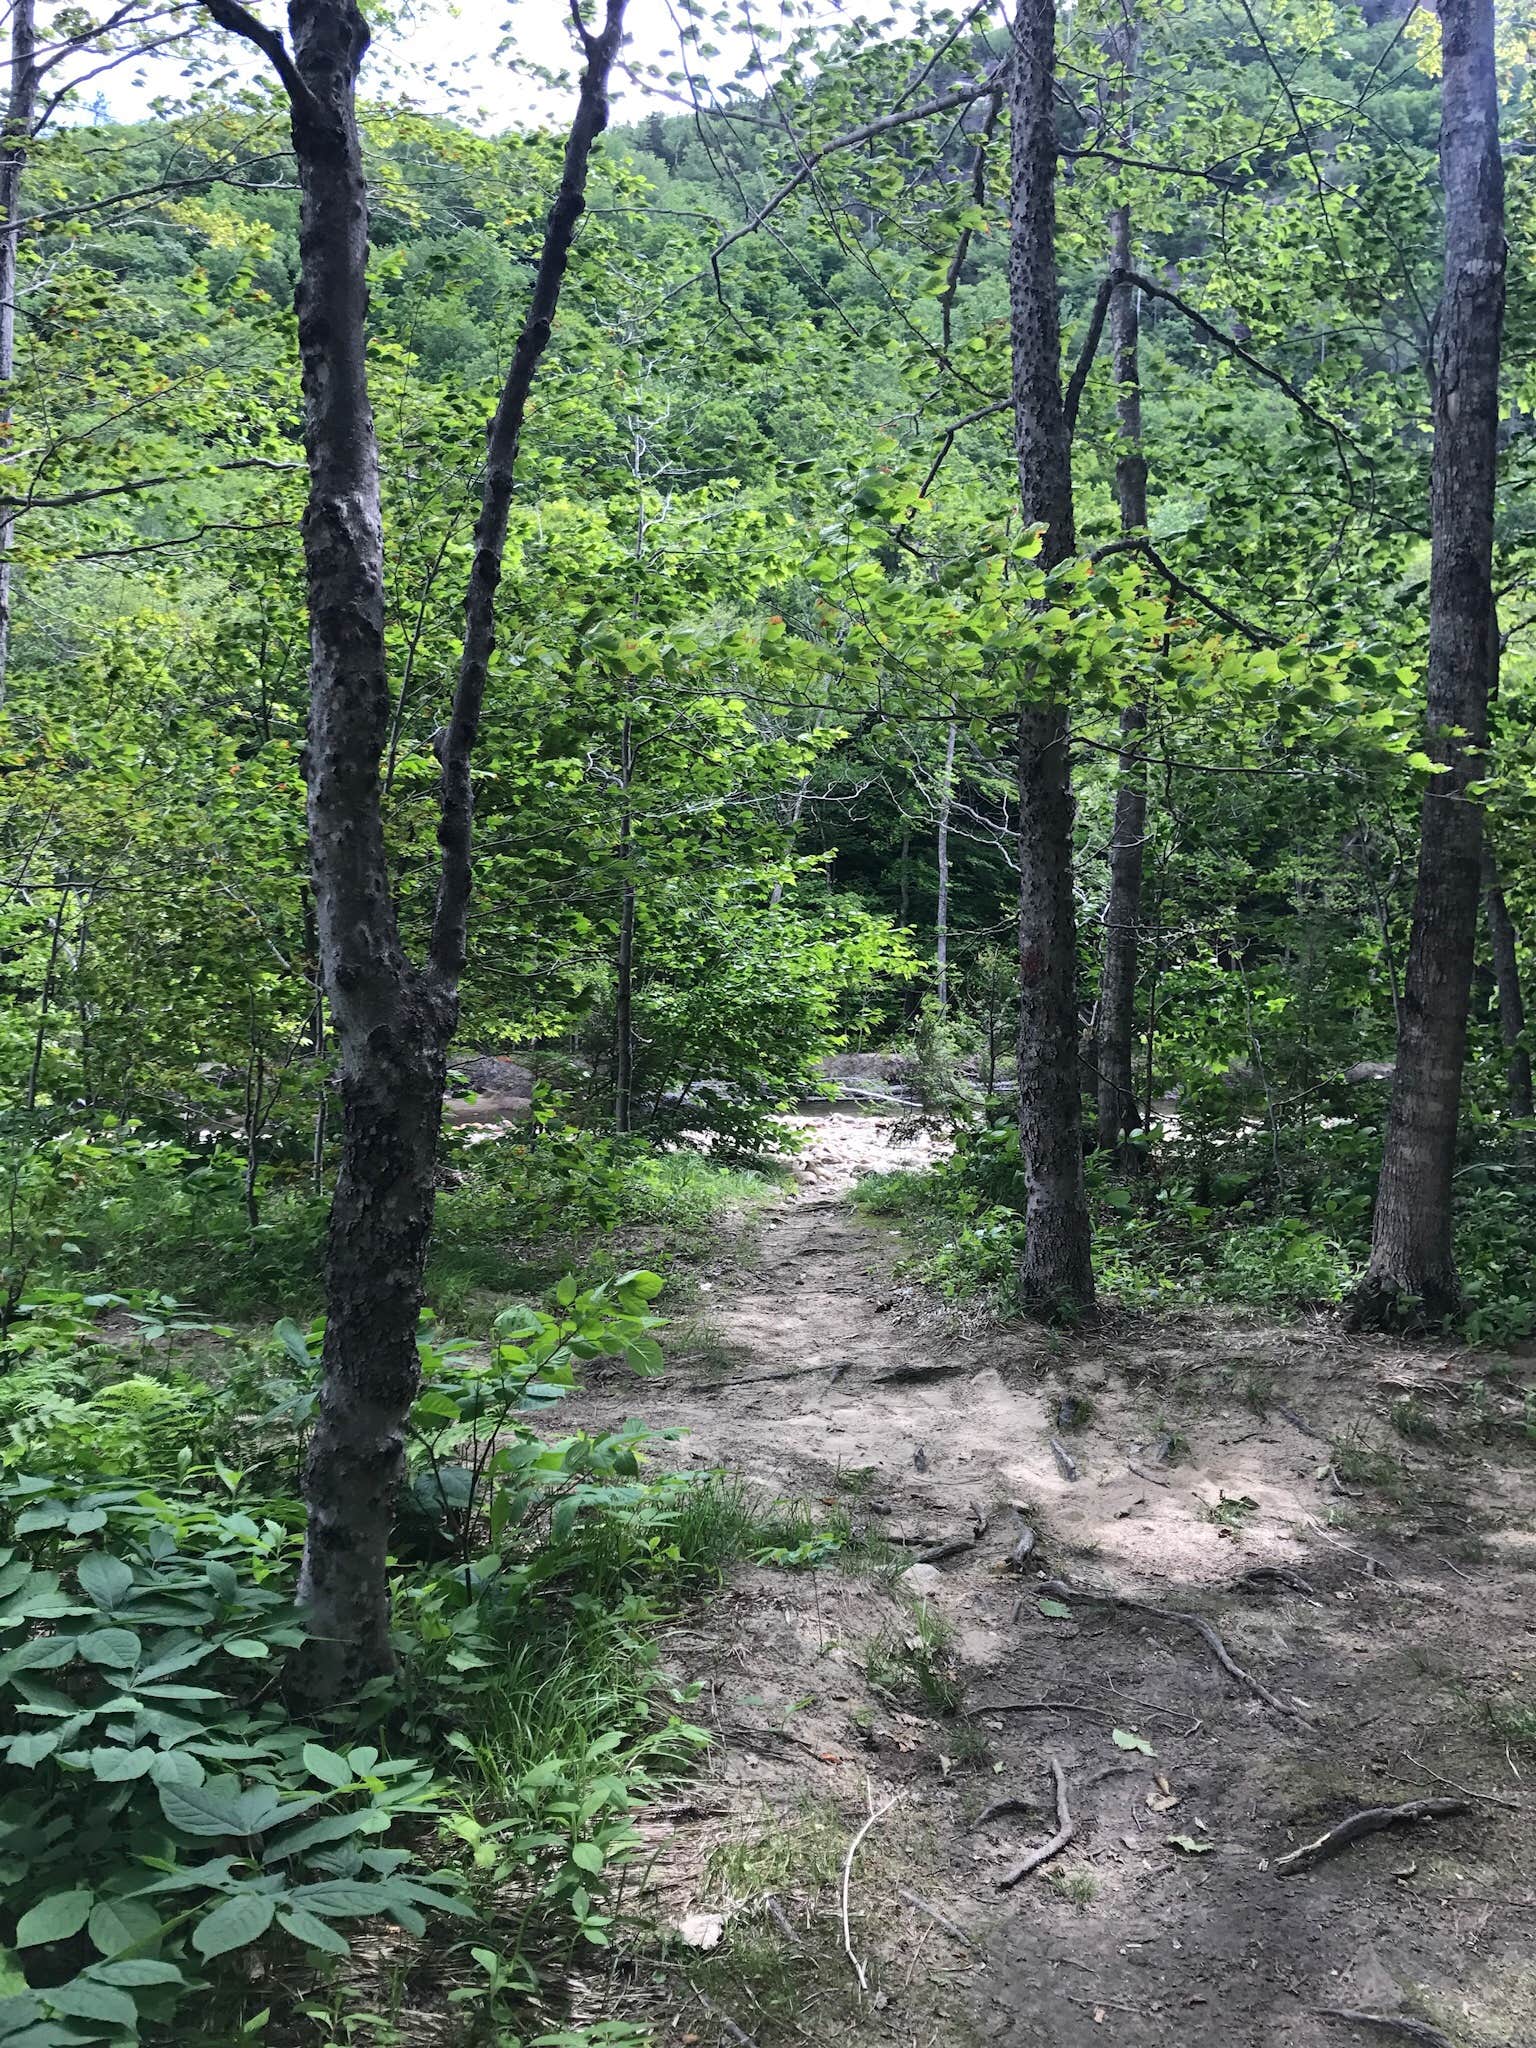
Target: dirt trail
1204, 1451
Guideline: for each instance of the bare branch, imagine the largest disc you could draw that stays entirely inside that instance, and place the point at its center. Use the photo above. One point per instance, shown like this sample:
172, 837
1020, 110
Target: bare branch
962, 96
1072, 397
456, 813
239, 21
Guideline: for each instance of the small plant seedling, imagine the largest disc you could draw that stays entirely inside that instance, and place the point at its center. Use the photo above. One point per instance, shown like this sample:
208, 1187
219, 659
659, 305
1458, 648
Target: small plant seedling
1231, 1510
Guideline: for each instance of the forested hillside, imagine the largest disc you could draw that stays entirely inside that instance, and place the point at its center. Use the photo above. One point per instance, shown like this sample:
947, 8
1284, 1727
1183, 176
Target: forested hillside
963, 581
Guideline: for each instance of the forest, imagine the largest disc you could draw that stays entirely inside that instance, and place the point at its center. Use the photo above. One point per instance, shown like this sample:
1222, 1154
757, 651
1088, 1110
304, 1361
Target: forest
767, 1143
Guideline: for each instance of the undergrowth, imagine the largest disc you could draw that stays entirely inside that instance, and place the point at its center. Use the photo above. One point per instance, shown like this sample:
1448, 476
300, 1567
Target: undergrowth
174, 1838
1277, 1226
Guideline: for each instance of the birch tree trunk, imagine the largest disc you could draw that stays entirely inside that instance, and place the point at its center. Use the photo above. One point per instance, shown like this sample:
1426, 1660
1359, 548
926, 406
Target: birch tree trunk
392, 1018
1122, 917
1411, 1278
1056, 1271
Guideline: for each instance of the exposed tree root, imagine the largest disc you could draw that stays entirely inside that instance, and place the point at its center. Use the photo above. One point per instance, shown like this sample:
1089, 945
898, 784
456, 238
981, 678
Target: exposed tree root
1066, 1828
1062, 1591
1416, 2030
1369, 1821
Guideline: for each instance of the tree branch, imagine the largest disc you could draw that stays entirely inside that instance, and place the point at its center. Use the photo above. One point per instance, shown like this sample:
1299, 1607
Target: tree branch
945, 103
455, 827
1072, 397
1342, 441
1138, 544
239, 21
66, 499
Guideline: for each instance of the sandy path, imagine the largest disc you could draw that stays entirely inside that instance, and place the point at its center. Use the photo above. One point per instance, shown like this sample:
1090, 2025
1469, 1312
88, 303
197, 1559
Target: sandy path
1420, 1614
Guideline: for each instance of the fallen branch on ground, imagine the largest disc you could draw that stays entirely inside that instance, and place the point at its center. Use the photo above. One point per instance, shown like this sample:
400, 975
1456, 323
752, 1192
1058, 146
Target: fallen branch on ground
924, 1906
950, 1546
1001, 1806
1066, 1828
1062, 1591
1070, 1707
727, 2026
1369, 1821
853, 1850
1482, 1798
1280, 1575
1417, 2030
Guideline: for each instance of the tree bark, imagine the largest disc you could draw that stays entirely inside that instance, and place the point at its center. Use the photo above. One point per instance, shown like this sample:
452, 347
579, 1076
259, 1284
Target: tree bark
941, 910
1127, 862
392, 1019
1411, 1278
1056, 1270
1506, 973
15, 139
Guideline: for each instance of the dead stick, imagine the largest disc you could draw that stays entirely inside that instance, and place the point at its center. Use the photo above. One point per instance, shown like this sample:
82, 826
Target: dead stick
729, 2026
1071, 1707
1066, 1828
1417, 2030
1218, 1648
1483, 1798
1369, 1821
1002, 1806
853, 1850
925, 1906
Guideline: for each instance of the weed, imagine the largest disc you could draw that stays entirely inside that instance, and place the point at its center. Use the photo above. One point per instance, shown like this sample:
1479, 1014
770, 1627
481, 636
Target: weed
1411, 1417
858, 1480
1230, 1510
797, 1855
915, 1661
1258, 1391
1077, 1887
1514, 1720
1359, 1462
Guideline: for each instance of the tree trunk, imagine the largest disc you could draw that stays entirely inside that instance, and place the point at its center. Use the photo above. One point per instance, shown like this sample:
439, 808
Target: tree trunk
392, 1020
1411, 1278
624, 1003
1127, 862
15, 138
1506, 974
941, 911
1056, 1272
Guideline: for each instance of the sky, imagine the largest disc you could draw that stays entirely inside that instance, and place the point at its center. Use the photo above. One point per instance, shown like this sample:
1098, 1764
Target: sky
444, 56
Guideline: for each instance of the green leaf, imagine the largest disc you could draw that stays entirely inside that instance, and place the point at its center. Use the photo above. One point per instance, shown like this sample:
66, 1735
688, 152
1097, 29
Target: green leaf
587, 1856
294, 1342
118, 1647
135, 1970
234, 1924
313, 1932
343, 1898
219, 1806
327, 1766
1124, 1739
248, 1647
106, 1580
82, 1998
114, 1765
1053, 1610
27, 1751
55, 1918
116, 1924
1189, 1845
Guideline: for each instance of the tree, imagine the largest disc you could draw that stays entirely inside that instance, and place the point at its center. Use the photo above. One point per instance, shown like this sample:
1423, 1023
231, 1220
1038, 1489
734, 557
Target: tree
1412, 1271
1056, 1269
1127, 856
394, 1018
